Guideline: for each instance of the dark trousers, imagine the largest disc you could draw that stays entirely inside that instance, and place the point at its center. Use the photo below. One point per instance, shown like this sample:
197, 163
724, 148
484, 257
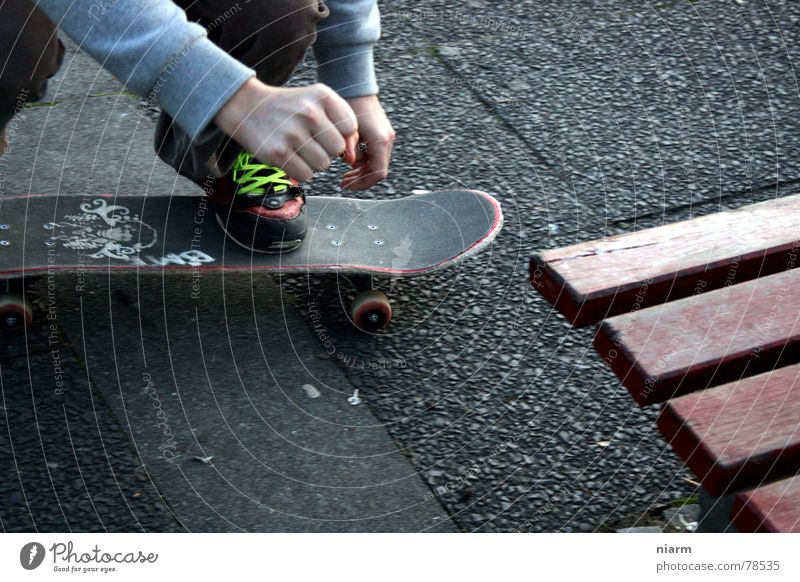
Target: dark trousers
270, 36
30, 53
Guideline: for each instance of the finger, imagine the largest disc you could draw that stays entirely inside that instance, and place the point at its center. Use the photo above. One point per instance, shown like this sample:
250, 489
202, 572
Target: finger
340, 114
285, 156
366, 180
329, 138
295, 167
353, 174
388, 152
314, 155
350, 178
360, 179
349, 175
361, 154
373, 169
358, 169
351, 151
379, 159
351, 185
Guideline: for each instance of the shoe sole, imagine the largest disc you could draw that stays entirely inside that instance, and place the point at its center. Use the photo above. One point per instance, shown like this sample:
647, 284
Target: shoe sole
275, 248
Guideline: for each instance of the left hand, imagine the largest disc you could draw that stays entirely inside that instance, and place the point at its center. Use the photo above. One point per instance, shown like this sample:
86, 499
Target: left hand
370, 161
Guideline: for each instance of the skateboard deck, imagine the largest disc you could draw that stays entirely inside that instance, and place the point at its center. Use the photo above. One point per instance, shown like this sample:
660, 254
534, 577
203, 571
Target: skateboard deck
406, 236
418, 234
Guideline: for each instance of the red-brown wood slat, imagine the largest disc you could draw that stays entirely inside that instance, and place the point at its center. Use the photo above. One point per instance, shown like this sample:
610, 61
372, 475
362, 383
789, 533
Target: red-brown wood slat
773, 508
590, 281
741, 434
705, 340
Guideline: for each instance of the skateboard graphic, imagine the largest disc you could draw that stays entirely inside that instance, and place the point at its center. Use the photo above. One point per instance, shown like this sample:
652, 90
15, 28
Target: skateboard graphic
44, 235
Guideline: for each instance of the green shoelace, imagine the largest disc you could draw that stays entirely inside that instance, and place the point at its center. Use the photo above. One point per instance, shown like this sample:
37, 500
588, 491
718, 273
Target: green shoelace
255, 177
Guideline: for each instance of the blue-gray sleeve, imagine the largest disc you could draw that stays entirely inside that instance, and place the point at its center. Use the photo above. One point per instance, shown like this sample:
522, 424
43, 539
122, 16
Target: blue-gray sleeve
344, 47
155, 52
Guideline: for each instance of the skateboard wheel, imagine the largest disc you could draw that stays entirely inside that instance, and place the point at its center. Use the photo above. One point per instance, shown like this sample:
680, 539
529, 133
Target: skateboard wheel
371, 311
15, 313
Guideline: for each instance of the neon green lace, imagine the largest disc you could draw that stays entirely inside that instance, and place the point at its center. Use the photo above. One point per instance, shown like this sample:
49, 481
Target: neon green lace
254, 177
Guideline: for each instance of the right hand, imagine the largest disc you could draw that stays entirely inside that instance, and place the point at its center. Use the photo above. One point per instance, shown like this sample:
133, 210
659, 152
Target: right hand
299, 129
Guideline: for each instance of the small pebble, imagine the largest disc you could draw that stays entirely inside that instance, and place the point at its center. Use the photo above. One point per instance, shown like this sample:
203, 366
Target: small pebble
311, 391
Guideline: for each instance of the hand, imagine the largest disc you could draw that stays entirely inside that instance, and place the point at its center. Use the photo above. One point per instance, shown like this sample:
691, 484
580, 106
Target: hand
298, 129
371, 162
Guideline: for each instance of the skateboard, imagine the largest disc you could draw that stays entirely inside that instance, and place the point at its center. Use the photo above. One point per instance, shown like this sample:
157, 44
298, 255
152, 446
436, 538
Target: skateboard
45, 235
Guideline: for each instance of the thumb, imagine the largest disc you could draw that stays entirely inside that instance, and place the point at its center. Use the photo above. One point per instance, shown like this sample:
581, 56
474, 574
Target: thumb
350, 149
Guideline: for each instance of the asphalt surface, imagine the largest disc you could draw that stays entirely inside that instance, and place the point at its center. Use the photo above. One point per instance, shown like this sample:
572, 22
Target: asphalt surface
583, 118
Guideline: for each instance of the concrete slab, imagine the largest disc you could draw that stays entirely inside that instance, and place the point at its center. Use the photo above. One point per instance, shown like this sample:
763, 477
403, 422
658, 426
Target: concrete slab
98, 145
219, 368
66, 462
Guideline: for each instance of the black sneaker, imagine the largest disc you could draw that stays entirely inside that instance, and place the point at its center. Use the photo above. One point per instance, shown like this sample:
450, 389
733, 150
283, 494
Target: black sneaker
259, 207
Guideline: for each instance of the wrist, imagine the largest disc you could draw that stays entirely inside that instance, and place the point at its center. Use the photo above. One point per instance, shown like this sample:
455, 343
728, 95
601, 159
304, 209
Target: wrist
362, 99
231, 115
365, 106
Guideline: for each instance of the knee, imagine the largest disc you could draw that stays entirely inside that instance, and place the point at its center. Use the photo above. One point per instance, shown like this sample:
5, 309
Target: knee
286, 15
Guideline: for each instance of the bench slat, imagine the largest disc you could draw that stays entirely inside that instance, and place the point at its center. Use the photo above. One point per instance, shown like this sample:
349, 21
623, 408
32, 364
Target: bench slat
772, 508
705, 340
738, 435
590, 281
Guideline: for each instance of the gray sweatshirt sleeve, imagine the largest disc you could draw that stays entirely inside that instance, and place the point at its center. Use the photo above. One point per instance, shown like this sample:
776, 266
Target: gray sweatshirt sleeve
150, 46
344, 47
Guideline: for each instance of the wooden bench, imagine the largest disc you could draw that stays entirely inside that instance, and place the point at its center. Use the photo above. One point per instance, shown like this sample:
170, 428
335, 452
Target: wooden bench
772, 508
704, 317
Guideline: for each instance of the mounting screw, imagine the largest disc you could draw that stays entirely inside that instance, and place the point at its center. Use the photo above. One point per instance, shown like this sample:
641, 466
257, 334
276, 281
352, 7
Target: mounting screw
3, 227
354, 400
4, 243
49, 225
378, 242
50, 243
331, 227
336, 243
372, 226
